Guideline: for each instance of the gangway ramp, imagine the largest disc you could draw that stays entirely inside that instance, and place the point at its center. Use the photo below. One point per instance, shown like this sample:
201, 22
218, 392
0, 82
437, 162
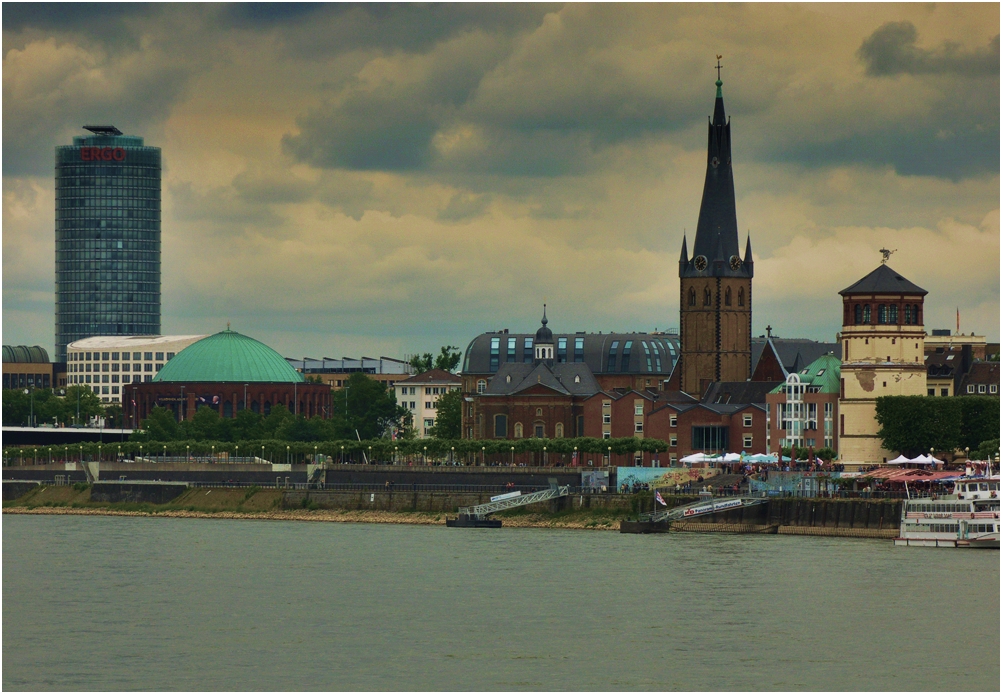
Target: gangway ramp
477, 516
660, 521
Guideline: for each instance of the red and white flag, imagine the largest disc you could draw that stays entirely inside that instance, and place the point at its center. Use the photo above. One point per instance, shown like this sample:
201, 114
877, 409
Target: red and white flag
657, 496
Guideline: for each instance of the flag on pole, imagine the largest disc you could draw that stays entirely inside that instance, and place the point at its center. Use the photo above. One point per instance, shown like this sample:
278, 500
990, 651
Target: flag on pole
657, 496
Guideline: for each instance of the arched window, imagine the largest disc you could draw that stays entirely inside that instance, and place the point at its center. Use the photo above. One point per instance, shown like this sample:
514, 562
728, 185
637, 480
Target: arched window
706, 296
518, 430
741, 297
918, 317
481, 386
692, 296
558, 431
866, 314
500, 426
882, 314
255, 408
727, 297
539, 411
892, 317
858, 317
908, 314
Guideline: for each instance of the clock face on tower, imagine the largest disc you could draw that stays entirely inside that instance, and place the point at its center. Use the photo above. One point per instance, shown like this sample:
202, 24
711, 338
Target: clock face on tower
700, 262
735, 262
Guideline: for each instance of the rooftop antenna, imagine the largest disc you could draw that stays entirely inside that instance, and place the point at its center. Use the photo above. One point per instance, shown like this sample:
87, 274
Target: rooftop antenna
887, 255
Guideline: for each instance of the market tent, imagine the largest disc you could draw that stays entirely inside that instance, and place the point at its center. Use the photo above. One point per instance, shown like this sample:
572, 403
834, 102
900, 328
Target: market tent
899, 460
762, 458
732, 457
699, 458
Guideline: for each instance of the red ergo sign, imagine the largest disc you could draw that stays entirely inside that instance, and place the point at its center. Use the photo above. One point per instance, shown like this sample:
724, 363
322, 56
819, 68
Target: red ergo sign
102, 154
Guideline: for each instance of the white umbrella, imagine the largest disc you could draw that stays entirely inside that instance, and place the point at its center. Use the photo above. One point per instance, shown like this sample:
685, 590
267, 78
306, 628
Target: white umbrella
698, 458
732, 457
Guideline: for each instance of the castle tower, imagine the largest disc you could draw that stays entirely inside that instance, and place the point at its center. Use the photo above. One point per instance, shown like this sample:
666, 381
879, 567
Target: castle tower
883, 346
716, 293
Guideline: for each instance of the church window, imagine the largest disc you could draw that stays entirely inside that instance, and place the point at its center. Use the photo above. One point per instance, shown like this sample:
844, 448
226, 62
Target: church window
908, 314
518, 430
892, 317
706, 297
501, 426
727, 297
882, 314
540, 432
741, 297
858, 318
692, 296
915, 313
866, 314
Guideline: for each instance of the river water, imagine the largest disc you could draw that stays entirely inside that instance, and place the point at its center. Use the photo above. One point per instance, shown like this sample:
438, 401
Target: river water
92, 602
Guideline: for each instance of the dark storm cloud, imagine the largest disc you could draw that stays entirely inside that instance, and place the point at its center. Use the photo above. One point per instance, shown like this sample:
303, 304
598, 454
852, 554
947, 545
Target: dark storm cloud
891, 50
341, 27
97, 17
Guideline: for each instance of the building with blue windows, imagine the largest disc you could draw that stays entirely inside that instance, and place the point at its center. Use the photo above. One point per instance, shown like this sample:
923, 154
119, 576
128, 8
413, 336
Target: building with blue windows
107, 237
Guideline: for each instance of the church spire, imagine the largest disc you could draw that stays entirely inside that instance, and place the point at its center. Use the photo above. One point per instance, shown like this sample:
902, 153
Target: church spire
717, 228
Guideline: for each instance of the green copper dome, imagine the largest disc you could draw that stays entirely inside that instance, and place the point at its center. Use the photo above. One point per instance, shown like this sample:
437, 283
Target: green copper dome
228, 357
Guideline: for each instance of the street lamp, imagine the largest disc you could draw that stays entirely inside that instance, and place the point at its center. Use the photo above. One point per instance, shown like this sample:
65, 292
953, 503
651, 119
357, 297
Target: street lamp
342, 455
544, 456
99, 456
609, 463
213, 453
513, 456
424, 458
119, 453
31, 415
164, 457
187, 454
50, 455
237, 455
81, 453
262, 453
315, 455
287, 453
140, 450
483, 456
396, 455
453, 455
370, 455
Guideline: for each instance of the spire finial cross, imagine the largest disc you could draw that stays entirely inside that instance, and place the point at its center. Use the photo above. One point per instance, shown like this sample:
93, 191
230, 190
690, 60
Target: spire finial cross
719, 66
768, 330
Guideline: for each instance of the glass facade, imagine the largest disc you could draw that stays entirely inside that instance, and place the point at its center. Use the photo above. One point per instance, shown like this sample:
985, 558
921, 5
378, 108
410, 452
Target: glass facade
107, 239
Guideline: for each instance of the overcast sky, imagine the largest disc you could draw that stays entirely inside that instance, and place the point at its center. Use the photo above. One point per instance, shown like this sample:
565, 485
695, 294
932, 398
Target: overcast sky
381, 180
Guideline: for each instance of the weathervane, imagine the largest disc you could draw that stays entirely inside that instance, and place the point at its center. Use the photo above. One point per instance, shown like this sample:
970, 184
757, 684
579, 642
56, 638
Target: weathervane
887, 255
719, 66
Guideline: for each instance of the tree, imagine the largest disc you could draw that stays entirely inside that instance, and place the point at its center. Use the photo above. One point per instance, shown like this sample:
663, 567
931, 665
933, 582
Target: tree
449, 418
366, 408
913, 424
113, 416
447, 360
160, 425
979, 420
84, 399
988, 449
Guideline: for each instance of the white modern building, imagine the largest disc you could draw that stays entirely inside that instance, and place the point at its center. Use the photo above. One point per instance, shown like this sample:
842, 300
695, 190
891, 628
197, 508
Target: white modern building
105, 362
420, 395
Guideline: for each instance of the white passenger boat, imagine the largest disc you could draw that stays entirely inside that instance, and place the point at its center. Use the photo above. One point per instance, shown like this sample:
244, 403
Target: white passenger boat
967, 518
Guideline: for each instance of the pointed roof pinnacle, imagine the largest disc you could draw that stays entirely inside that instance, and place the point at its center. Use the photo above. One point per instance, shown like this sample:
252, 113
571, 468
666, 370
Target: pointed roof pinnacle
544, 315
685, 251
748, 255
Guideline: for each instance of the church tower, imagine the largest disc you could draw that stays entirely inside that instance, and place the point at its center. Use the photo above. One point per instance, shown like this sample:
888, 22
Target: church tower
716, 293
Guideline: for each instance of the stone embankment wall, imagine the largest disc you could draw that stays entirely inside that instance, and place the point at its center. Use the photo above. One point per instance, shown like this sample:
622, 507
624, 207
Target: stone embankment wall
444, 502
137, 492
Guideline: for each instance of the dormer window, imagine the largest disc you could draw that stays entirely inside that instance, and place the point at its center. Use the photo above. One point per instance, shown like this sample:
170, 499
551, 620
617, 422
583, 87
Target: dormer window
507, 378
577, 379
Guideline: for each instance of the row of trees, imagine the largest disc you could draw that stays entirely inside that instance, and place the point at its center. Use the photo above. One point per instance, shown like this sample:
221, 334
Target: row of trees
76, 407
381, 449
915, 424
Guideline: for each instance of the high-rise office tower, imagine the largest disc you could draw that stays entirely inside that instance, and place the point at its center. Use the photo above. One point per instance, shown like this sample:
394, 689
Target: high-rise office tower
107, 237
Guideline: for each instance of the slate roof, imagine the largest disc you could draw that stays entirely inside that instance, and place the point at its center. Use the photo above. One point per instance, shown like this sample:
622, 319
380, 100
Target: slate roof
793, 353
981, 372
664, 349
433, 376
883, 280
737, 392
559, 378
